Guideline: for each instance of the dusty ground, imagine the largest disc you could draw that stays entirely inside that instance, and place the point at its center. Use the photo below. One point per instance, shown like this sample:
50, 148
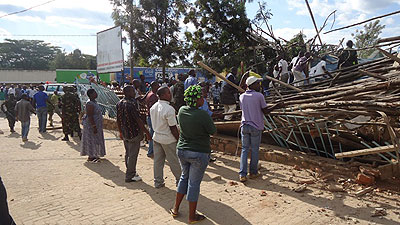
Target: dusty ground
48, 182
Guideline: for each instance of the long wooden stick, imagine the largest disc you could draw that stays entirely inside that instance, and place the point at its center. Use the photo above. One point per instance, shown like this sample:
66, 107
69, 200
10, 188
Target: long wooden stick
387, 54
313, 20
204, 66
283, 84
365, 21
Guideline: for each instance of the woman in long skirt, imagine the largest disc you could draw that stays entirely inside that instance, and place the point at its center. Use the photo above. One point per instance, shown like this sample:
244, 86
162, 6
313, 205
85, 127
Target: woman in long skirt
92, 136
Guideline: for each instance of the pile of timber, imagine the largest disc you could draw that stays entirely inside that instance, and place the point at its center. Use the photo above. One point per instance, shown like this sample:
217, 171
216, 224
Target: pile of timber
355, 109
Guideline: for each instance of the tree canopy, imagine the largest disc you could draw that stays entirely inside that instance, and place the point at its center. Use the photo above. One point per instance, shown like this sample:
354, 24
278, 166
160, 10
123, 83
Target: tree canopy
368, 37
26, 54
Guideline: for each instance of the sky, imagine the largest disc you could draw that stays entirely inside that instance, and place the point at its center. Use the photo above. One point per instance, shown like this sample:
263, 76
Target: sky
87, 17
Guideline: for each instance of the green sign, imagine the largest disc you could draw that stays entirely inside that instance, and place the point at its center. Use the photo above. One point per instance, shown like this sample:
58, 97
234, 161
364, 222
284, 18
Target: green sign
69, 76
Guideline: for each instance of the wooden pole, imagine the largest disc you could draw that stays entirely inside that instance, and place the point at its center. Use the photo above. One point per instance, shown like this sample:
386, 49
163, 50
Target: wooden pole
283, 84
365, 21
204, 66
387, 54
313, 20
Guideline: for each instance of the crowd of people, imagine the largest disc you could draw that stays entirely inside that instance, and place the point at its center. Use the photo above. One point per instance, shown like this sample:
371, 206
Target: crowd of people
175, 118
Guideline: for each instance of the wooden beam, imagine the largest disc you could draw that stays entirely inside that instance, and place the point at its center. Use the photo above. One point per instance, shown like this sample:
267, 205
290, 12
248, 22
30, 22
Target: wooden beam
369, 151
313, 20
365, 21
375, 75
283, 84
204, 66
383, 40
391, 56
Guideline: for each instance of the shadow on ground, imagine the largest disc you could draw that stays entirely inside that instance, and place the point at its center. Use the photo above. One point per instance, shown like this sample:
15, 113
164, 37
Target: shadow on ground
165, 197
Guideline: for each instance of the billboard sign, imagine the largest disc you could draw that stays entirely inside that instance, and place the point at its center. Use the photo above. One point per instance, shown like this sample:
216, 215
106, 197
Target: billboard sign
110, 56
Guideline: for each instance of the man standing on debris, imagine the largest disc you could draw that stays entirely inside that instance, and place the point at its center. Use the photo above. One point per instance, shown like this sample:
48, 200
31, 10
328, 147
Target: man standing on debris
348, 57
40, 102
71, 107
191, 80
253, 107
131, 129
228, 93
23, 111
165, 137
10, 111
301, 68
283, 74
150, 99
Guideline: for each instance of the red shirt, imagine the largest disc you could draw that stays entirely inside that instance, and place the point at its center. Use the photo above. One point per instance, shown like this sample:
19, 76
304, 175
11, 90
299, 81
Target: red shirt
150, 100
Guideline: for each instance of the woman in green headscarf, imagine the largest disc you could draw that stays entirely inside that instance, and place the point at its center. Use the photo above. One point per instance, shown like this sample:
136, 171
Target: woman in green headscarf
193, 150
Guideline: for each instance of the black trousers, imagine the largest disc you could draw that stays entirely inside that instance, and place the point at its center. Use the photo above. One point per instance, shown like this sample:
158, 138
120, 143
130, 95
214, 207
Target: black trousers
5, 217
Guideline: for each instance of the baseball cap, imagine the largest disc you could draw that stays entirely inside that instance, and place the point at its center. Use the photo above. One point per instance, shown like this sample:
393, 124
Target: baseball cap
251, 80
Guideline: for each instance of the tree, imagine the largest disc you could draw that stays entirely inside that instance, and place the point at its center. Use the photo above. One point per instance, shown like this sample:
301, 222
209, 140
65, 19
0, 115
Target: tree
220, 38
73, 60
153, 29
26, 54
368, 37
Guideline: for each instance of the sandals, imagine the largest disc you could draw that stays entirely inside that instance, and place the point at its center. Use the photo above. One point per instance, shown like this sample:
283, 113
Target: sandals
173, 214
199, 218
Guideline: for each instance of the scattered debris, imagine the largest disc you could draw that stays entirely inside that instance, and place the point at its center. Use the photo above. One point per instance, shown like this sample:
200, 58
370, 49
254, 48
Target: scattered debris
369, 171
110, 185
379, 212
365, 179
364, 191
335, 188
233, 183
296, 167
300, 188
308, 181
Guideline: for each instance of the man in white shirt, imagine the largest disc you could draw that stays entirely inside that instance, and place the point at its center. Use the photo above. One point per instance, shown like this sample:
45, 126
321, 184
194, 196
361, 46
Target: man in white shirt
165, 137
11, 90
283, 69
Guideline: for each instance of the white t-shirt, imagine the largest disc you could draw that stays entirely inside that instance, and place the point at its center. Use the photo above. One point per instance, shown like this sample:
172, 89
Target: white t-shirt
11, 91
293, 62
282, 63
162, 117
317, 69
32, 93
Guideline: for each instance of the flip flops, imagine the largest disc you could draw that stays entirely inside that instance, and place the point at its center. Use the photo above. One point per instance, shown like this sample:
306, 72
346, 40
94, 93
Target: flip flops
173, 214
199, 218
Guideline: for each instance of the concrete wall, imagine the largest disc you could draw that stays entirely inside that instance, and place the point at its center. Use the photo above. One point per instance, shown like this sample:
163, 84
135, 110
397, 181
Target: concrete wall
26, 76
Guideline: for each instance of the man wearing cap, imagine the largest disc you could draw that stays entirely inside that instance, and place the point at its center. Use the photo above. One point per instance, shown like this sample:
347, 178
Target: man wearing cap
253, 107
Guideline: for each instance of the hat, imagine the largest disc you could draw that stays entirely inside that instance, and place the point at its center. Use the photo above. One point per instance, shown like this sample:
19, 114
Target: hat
251, 80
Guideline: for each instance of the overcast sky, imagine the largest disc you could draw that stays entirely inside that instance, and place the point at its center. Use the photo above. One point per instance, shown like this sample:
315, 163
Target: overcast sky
85, 17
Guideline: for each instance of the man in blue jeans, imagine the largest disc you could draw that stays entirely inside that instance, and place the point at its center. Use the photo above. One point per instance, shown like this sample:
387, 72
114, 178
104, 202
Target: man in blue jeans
40, 103
150, 99
253, 107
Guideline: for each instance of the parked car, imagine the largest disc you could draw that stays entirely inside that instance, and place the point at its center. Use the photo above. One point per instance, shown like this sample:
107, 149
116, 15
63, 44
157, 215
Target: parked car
50, 88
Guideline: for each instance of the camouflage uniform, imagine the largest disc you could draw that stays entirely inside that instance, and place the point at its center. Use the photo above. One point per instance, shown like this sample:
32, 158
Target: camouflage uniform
70, 108
53, 107
178, 95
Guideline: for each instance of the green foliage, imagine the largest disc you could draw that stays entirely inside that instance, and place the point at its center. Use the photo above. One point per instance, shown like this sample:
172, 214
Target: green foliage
368, 37
153, 27
74, 60
296, 45
220, 37
26, 54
